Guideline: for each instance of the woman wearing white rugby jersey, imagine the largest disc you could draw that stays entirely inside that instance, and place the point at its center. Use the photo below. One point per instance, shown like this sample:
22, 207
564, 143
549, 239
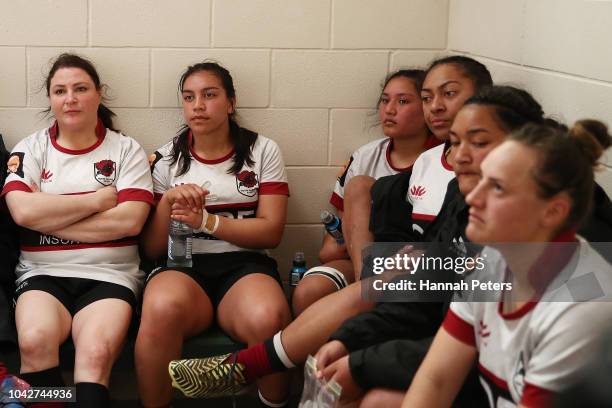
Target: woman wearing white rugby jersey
232, 280
400, 113
537, 187
81, 192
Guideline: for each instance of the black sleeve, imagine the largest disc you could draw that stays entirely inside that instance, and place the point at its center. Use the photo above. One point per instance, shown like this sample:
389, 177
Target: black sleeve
390, 216
388, 321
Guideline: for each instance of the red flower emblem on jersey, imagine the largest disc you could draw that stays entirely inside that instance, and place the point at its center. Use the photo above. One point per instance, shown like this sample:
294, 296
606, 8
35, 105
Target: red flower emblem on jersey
104, 172
417, 191
246, 182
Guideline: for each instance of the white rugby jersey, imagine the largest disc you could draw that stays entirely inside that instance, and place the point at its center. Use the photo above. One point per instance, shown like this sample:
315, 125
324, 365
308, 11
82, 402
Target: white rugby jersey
237, 195
430, 176
528, 355
114, 160
372, 159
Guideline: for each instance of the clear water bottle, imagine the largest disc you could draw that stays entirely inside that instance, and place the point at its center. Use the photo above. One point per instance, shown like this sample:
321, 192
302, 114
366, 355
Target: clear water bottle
179, 244
333, 226
298, 269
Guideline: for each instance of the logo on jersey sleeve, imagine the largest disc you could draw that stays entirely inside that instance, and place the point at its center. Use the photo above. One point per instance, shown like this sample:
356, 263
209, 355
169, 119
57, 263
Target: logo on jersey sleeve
45, 176
247, 183
153, 159
417, 191
105, 172
15, 164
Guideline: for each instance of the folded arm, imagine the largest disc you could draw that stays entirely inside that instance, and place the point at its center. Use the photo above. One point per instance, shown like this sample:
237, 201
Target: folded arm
124, 220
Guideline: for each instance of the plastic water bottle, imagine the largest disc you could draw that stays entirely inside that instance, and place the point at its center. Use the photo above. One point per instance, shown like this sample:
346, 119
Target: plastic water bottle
179, 244
298, 269
333, 225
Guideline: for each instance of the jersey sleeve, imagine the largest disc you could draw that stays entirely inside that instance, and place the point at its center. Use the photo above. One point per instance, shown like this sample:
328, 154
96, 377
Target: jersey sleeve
134, 181
23, 168
337, 197
563, 348
273, 175
459, 322
159, 172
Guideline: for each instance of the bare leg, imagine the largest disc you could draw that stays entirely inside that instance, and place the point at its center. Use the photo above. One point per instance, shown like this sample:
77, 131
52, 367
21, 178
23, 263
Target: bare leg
254, 309
174, 307
98, 332
382, 397
314, 287
356, 226
43, 324
312, 328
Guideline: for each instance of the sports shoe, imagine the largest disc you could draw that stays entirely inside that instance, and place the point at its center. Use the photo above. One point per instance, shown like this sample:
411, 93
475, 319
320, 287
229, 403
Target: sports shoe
209, 377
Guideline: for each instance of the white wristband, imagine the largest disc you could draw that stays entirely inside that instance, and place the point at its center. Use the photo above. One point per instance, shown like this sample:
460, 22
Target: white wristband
205, 221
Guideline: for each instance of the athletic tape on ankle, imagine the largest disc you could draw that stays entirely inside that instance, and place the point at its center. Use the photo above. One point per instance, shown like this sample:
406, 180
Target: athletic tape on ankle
332, 274
280, 351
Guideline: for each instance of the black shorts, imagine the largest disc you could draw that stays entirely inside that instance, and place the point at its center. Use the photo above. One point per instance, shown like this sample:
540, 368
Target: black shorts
76, 293
217, 273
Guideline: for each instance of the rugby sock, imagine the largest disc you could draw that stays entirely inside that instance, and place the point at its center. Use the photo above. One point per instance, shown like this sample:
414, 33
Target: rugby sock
51, 377
264, 358
269, 404
92, 395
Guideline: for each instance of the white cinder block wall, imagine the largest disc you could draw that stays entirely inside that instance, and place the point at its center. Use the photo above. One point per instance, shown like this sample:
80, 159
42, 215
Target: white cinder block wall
560, 50
307, 72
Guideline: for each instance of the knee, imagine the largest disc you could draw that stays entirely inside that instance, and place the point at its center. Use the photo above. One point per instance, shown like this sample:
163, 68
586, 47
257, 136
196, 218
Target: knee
264, 321
161, 313
358, 187
35, 342
382, 398
95, 356
307, 292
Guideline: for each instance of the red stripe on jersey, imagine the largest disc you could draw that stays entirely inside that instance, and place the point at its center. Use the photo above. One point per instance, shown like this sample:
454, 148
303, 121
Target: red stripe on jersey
203, 160
100, 134
432, 142
388, 156
239, 206
337, 201
135, 194
459, 328
274, 188
15, 186
495, 379
424, 217
113, 244
517, 314
445, 163
534, 396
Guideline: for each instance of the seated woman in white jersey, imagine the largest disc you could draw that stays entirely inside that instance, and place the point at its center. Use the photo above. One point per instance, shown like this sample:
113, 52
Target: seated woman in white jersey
81, 192
401, 117
239, 214
534, 338
453, 83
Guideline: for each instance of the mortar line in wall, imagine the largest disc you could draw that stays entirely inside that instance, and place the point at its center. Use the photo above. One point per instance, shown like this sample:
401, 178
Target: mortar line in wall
331, 25
89, 22
211, 10
566, 75
329, 136
150, 77
448, 24
269, 79
27, 75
